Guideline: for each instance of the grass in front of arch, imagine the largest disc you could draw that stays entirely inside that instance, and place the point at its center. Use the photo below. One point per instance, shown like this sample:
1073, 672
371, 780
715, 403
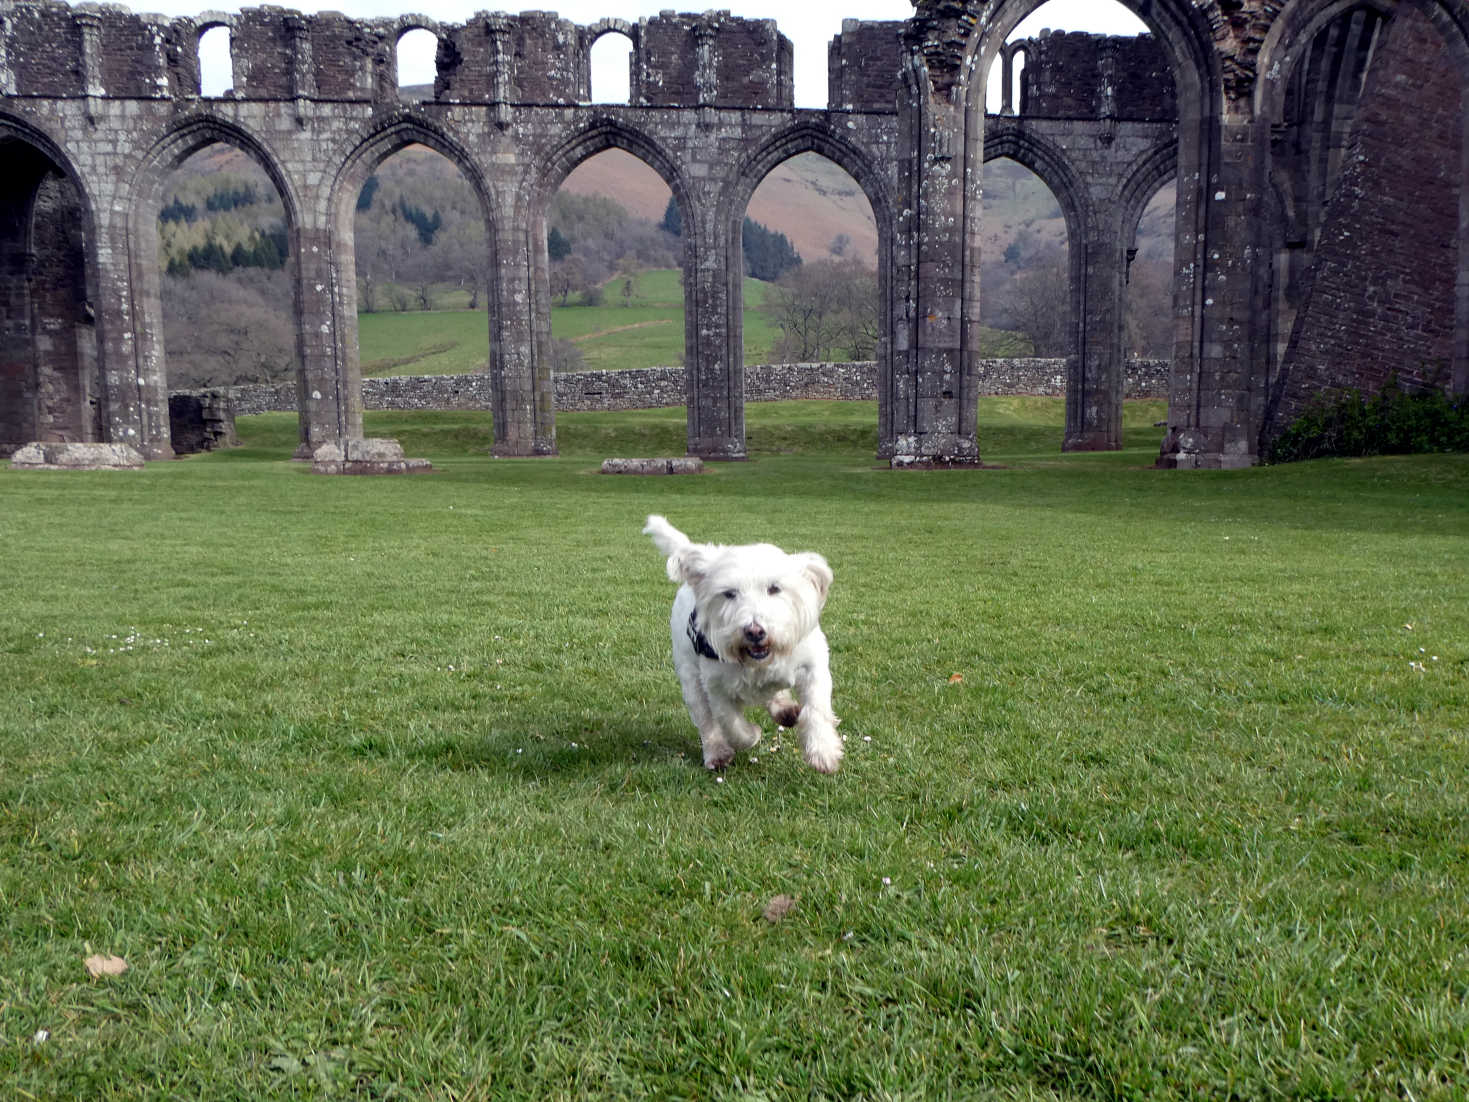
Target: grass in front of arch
382, 787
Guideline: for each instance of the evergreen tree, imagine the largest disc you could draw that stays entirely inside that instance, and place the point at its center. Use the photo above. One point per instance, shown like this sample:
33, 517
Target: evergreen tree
768, 255
558, 246
369, 189
178, 211
672, 219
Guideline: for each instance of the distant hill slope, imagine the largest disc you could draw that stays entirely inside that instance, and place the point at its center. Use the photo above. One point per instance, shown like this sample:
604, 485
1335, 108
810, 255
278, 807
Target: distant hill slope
808, 198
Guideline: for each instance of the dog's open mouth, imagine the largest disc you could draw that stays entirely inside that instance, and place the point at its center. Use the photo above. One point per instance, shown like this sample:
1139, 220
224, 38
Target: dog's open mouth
757, 652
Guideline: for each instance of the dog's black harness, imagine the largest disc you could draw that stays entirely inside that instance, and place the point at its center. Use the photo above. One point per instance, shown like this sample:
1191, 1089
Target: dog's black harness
699, 640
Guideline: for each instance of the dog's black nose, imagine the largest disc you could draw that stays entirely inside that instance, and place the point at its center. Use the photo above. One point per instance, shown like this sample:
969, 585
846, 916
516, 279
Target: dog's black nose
755, 633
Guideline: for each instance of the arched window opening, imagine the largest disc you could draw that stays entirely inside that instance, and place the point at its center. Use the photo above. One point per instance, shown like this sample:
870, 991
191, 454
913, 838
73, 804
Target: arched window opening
611, 68
228, 273
1149, 333
50, 390
1000, 99
614, 243
810, 249
421, 245
417, 55
1025, 283
216, 63
1092, 16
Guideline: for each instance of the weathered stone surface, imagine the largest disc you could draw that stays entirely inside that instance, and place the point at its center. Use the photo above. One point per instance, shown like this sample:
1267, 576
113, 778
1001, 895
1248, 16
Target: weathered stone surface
1254, 107
76, 457
201, 420
656, 387
365, 455
686, 464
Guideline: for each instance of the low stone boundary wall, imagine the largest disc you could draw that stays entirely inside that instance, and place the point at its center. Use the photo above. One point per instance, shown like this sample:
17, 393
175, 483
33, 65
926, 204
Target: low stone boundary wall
652, 387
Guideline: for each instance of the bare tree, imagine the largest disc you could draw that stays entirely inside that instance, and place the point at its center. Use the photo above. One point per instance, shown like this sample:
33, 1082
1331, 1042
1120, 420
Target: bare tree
825, 310
1038, 303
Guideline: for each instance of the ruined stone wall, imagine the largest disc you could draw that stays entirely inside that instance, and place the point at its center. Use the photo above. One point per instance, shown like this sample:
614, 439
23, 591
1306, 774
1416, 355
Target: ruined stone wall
108, 100
1381, 295
714, 59
859, 66
657, 387
1072, 75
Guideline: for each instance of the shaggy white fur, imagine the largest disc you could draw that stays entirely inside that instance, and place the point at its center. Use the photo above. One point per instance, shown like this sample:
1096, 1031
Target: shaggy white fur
746, 632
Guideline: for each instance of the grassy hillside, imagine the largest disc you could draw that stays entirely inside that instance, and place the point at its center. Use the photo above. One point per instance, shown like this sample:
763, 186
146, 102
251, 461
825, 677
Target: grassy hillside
647, 333
382, 788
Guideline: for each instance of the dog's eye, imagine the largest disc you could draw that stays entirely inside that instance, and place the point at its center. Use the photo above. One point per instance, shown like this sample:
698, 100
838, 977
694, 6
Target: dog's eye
729, 594
773, 590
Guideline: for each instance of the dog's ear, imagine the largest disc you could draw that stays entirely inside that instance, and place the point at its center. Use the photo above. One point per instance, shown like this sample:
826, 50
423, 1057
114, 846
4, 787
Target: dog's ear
816, 570
689, 564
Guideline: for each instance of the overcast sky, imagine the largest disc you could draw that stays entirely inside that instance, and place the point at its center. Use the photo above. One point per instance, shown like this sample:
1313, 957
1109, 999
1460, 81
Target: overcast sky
809, 26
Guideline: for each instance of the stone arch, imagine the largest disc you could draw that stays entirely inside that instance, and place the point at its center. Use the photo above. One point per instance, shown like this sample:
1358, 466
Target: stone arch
51, 390
1147, 176
810, 137
1186, 36
1053, 168
1286, 48
603, 132
403, 26
600, 133
1048, 162
592, 33
1149, 173
144, 194
402, 129
215, 22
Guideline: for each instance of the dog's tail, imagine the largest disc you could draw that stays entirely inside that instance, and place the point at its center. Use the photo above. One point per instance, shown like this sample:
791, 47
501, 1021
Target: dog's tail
671, 542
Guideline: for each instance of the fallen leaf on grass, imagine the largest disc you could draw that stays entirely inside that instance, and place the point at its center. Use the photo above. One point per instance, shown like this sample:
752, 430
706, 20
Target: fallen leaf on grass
955, 678
778, 907
102, 964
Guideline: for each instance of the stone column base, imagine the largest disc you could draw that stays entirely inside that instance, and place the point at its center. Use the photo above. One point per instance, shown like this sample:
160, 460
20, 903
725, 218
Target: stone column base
43, 456
367, 455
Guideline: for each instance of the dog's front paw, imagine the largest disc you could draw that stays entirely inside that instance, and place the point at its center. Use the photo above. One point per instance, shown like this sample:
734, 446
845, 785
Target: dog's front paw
824, 757
784, 709
717, 753
821, 746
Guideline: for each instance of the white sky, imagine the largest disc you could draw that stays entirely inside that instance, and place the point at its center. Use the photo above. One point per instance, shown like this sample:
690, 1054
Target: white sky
809, 26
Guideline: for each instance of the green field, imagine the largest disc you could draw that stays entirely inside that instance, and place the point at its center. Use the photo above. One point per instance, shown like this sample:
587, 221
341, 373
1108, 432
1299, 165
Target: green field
646, 332
1156, 784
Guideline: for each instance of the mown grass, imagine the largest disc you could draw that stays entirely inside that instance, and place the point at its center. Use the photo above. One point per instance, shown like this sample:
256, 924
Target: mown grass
1155, 783
645, 330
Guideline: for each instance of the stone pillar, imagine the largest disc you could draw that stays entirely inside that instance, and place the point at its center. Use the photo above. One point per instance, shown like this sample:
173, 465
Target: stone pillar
7, 63
714, 369
89, 23
303, 80
1094, 370
134, 390
522, 389
329, 374
1220, 359
930, 400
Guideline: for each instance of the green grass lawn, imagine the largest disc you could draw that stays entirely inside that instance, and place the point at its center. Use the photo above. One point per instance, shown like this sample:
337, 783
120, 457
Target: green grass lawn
646, 330
1155, 782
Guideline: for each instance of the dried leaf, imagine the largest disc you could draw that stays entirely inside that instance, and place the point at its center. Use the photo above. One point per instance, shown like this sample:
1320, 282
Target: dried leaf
778, 907
102, 964
955, 678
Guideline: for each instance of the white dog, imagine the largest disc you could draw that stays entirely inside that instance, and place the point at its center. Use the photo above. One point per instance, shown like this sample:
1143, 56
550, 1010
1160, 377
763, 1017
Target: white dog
745, 633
